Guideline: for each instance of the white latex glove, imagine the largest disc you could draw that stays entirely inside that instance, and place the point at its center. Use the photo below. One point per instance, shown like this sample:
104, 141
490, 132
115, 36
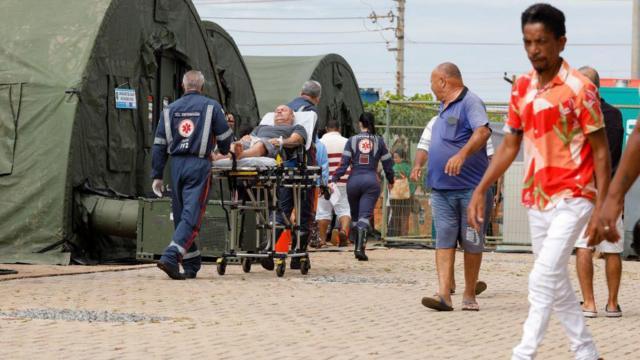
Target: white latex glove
157, 187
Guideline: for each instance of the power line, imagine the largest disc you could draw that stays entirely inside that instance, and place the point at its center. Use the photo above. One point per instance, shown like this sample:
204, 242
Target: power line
473, 43
304, 32
452, 43
319, 43
286, 18
232, 2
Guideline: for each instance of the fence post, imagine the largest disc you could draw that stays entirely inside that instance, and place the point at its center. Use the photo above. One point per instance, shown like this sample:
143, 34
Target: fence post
387, 139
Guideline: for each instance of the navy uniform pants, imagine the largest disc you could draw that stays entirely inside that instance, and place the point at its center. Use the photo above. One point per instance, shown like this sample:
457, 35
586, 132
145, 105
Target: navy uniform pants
363, 192
191, 178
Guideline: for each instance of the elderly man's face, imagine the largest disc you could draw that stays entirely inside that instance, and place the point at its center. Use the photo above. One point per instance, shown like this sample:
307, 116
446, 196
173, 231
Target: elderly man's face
283, 115
438, 84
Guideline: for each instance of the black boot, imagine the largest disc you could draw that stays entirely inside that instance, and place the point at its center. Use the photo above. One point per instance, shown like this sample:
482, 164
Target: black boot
361, 242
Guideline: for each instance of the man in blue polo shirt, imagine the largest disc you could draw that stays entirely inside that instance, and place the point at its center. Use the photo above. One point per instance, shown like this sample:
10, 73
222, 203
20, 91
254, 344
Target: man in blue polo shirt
457, 162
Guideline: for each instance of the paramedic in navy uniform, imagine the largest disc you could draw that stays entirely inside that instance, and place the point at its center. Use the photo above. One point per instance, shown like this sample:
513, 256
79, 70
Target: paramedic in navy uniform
363, 152
186, 132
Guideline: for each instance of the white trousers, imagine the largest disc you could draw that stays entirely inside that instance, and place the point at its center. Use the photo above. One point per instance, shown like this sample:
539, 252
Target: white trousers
553, 235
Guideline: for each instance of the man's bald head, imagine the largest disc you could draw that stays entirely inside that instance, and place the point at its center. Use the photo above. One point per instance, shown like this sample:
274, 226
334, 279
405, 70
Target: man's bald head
591, 74
449, 70
446, 80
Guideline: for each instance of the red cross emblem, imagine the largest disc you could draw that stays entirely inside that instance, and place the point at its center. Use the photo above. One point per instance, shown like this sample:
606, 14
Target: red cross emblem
185, 128
365, 146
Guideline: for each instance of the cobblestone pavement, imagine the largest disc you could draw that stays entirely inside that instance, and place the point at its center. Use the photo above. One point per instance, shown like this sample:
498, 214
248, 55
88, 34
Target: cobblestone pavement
341, 310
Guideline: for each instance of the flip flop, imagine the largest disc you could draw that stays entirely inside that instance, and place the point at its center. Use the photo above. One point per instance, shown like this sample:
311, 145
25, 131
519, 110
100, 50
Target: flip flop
613, 314
588, 313
470, 305
437, 304
481, 286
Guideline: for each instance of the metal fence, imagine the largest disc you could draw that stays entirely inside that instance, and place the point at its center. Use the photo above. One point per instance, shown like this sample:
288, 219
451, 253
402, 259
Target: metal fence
411, 220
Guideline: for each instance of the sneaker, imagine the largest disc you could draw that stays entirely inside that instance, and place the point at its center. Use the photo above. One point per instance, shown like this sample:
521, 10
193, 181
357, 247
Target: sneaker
295, 263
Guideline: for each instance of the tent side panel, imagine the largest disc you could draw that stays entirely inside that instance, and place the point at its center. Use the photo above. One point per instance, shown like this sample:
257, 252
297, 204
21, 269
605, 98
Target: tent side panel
42, 56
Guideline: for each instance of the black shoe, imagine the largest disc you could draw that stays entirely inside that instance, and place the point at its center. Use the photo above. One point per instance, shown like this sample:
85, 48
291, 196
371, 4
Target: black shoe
171, 271
267, 263
189, 275
295, 263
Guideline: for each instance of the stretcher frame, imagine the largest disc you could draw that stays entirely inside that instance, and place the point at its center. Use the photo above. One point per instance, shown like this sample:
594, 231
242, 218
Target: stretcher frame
260, 185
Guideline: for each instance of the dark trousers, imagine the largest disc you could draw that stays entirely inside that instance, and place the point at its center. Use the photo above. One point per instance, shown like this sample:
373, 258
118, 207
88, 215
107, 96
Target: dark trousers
363, 192
307, 212
191, 179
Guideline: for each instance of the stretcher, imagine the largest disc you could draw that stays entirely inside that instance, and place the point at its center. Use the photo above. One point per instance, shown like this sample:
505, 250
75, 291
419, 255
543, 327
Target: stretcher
253, 185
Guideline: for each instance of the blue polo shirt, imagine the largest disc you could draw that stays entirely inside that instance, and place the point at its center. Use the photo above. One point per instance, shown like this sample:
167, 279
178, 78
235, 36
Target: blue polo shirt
452, 130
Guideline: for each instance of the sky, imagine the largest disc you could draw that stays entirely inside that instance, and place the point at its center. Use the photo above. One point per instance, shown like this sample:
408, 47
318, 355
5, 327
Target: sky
482, 37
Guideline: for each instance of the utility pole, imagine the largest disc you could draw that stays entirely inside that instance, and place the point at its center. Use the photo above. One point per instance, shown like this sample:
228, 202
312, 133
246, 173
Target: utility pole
399, 48
635, 40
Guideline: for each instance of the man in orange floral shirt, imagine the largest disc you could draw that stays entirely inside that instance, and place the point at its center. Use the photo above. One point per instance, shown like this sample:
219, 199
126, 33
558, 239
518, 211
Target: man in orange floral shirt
556, 112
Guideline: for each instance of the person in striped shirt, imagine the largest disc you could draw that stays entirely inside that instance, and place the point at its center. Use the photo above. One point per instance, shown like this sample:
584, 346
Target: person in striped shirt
334, 142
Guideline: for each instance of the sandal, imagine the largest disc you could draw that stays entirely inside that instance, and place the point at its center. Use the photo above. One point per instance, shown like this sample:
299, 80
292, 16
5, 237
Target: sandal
436, 303
470, 305
613, 313
590, 314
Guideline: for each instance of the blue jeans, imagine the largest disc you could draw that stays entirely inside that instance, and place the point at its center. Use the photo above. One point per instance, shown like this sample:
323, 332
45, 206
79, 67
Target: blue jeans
450, 218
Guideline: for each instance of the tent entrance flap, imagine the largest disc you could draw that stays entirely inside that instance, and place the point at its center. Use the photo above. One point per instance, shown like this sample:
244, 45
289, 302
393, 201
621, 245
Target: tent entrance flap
168, 87
10, 97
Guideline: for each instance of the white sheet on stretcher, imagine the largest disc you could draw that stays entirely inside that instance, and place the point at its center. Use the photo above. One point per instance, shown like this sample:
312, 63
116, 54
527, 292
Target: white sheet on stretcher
252, 162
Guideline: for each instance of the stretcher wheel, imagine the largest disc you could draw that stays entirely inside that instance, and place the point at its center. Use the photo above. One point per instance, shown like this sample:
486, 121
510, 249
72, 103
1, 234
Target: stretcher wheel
305, 265
280, 267
246, 265
221, 266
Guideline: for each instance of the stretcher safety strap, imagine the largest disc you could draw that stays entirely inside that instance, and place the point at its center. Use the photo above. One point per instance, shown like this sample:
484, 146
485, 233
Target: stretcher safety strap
205, 132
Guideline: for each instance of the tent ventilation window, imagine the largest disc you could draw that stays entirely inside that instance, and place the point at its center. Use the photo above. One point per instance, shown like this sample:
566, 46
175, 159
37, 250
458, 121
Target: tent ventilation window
10, 99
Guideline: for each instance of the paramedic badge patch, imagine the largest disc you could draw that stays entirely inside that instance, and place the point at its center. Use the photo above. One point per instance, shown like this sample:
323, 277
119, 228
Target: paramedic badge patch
185, 128
365, 146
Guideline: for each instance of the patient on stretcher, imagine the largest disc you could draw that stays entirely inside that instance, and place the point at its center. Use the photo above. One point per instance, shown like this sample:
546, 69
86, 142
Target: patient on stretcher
268, 140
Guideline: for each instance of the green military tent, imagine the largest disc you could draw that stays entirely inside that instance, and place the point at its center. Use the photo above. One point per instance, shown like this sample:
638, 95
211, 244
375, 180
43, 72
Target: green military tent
234, 77
278, 79
69, 122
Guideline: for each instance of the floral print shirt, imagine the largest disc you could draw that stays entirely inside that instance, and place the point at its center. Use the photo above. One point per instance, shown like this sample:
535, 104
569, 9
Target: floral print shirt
555, 121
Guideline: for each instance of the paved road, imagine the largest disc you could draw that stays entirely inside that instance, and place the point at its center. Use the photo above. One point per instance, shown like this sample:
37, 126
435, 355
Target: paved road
340, 310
